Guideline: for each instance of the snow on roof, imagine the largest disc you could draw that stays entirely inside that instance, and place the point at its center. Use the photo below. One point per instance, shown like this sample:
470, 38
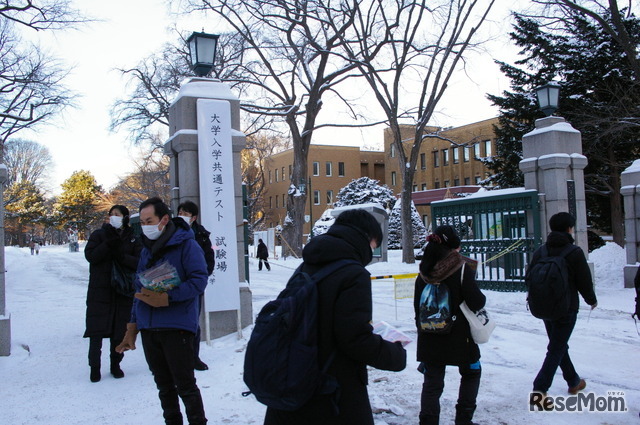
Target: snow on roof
205, 88
483, 193
633, 168
561, 126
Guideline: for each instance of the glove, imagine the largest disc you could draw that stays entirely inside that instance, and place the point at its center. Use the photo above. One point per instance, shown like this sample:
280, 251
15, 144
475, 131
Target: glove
154, 299
129, 340
594, 305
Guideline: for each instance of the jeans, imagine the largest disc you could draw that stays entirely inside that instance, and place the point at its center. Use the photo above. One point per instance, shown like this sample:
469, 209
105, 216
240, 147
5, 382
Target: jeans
169, 354
559, 331
434, 385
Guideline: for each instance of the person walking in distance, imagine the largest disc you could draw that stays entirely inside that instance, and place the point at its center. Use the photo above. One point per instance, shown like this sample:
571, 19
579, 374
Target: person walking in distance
263, 255
559, 330
167, 317
188, 211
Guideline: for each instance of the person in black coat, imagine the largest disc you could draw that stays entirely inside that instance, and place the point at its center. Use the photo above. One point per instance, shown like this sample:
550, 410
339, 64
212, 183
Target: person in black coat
442, 264
108, 312
344, 316
189, 211
263, 255
559, 331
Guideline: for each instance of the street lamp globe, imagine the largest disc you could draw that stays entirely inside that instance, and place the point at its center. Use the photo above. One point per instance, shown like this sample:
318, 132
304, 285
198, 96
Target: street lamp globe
202, 51
548, 96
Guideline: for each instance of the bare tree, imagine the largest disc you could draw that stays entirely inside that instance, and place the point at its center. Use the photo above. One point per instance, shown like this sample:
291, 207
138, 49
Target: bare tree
26, 161
421, 41
287, 68
42, 14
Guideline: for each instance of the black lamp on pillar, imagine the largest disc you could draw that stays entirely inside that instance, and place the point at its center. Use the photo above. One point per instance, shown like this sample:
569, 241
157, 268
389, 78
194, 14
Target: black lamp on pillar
548, 96
202, 50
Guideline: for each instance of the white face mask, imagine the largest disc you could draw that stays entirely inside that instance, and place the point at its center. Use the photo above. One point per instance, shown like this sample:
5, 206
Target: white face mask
151, 231
185, 218
115, 221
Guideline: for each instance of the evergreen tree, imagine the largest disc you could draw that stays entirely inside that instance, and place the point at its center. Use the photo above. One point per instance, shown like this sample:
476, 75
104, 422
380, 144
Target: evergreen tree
394, 240
325, 221
76, 206
365, 190
599, 97
27, 209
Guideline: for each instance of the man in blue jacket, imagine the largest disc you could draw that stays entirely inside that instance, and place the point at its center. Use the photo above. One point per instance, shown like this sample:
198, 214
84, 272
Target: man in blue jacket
168, 320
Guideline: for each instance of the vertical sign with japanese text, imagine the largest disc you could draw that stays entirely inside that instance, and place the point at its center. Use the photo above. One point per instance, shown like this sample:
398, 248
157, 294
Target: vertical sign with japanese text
217, 202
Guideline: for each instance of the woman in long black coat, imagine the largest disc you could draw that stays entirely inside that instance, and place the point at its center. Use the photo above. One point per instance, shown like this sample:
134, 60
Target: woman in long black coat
108, 312
442, 264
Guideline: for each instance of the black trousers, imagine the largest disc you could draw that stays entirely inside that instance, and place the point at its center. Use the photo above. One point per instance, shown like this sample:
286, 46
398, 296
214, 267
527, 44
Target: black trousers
266, 263
434, 385
95, 351
169, 354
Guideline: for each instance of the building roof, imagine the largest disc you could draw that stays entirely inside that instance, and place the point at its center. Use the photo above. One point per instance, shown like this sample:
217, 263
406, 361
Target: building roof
426, 197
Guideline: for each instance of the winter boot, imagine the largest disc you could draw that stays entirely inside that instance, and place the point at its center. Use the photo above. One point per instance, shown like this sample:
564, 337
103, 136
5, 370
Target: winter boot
95, 374
464, 415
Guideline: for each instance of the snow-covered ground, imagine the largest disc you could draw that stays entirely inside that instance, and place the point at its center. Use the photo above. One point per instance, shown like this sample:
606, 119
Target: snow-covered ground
46, 378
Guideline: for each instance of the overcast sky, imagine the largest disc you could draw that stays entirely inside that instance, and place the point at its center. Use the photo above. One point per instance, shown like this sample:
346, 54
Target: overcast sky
131, 30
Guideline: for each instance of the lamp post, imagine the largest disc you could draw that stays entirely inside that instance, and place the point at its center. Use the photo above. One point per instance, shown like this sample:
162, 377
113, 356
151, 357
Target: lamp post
548, 96
202, 51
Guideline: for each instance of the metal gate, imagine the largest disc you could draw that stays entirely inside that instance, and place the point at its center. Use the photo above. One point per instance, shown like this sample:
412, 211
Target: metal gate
500, 229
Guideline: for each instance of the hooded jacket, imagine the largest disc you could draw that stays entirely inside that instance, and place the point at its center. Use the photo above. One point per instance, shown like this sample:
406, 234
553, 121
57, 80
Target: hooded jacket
176, 245
579, 273
344, 316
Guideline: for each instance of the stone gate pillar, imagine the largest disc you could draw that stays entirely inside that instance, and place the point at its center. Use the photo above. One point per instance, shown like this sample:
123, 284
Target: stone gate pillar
5, 317
631, 192
182, 149
553, 165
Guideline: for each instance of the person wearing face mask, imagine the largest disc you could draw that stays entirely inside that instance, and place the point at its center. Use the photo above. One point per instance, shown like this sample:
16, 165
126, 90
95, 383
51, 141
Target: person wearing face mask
168, 321
108, 311
188, 211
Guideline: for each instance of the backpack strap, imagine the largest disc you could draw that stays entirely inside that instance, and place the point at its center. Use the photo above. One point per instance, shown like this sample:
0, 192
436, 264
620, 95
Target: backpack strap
332, 267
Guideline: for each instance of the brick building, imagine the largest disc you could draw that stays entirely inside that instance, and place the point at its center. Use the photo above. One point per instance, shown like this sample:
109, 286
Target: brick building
442, 164
330, 169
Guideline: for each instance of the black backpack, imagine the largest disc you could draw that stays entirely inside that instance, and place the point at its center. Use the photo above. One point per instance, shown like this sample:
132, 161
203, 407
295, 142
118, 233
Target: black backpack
281, 366
548, 285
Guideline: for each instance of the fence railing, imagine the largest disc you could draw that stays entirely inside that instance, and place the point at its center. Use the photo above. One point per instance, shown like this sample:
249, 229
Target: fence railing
500, 229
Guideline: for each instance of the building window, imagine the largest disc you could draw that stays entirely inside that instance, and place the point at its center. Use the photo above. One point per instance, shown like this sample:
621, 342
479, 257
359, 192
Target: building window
445, 157
392, 149
414, 188
316, 197
277, 206
424, 186
467, 181
425, 221
328, 169
283, 177
270, 177
290, 171
277, 174
340, 169
456, 155
270, 201
393, 178
476, 151
477, 179
456, 182
329, 197
316, 168
467, 151
487, 148
423, 161
446, 183
436, 159
284, 203
436, 185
